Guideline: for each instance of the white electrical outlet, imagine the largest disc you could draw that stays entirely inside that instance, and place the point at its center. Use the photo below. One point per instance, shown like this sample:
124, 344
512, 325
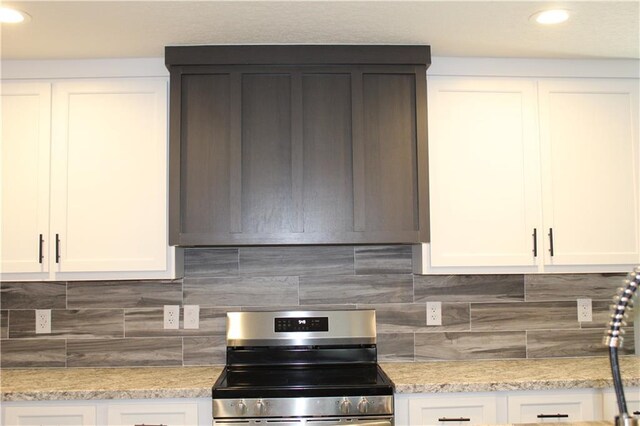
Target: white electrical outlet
43, 321
172, 317
434, 313
585, 313
191, 316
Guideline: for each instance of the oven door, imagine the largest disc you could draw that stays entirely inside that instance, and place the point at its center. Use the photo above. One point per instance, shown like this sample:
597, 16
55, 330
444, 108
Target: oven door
337, 421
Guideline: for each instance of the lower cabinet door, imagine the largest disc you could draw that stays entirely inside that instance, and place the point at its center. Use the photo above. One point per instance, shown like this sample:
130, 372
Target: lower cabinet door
47, 415
554, 408
166, 414
632, 396
452, 410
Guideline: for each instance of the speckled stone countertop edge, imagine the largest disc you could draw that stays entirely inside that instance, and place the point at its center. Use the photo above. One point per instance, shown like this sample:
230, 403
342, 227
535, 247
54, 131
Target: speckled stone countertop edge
401, 388
409, 378
105, 394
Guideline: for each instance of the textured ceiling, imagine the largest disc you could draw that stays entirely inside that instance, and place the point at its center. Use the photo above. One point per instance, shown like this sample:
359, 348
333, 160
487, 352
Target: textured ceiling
89, 29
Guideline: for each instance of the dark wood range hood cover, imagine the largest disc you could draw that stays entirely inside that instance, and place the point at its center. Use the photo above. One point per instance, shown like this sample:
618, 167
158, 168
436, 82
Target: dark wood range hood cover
300, 144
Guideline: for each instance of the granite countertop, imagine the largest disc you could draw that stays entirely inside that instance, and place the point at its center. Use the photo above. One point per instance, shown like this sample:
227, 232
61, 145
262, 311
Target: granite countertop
107, 383
532, 374
196, 382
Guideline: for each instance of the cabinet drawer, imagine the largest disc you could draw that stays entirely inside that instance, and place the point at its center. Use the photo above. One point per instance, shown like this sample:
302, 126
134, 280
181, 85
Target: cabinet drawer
153, 414
551, 408
610, 408
452, 410
48, 415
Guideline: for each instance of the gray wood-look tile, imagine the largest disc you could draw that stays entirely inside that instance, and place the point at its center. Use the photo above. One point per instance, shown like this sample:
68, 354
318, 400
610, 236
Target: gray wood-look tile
350, 306
124, 352
411, 317
149, 322
209, 350
469, 345
571, 343
300, 260
33, 295
523, 316
601, 311
69, 324
206, 262
4, 324
356, 289
123, 294
383, 260
541, 287
399, 317
469, 288
455, 317
27, 353
241, 291
395, 347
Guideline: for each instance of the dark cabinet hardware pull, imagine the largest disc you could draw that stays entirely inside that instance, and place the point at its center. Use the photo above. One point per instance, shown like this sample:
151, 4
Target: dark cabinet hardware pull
636, 413
535, 242
40, 255
553, 416
57, 248
451, 419
551, 241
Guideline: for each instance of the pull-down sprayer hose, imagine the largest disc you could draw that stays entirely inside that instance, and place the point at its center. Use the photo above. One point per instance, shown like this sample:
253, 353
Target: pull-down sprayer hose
614, 338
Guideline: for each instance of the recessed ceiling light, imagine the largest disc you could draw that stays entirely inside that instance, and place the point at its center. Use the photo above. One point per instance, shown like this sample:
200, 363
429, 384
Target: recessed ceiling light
551, 17
12, 16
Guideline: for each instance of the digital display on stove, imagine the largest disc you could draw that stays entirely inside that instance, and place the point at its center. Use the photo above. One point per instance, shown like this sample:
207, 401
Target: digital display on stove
289, 325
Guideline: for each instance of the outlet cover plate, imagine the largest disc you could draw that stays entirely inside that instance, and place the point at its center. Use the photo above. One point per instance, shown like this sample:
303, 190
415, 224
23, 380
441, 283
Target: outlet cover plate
43, 321
585, 313
434, 313
171, 317
191, 317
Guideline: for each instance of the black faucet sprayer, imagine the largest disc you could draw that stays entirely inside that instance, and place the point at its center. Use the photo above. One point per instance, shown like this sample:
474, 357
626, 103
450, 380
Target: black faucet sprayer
614, 338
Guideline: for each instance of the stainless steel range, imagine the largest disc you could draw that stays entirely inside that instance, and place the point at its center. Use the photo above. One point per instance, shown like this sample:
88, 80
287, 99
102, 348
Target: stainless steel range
302, 368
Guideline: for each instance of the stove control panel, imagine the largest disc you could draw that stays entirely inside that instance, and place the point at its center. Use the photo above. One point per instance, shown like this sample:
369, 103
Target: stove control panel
302, 407
306, 324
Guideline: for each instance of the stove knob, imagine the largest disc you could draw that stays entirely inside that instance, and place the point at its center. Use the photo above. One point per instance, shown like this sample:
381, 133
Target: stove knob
363, 406
345, 405
241, 408
260, 407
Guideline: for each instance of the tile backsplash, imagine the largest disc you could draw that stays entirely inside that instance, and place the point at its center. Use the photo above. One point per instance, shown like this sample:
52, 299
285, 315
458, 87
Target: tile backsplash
120, 323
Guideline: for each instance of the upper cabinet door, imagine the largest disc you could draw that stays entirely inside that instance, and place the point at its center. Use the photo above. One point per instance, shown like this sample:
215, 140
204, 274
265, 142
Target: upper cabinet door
298, 155
394, 152
589, 140
238, 159
109, 146
26, 128
483, 172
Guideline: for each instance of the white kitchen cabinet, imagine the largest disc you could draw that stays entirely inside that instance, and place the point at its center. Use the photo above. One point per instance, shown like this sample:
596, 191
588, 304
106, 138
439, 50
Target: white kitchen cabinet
452, 409
47, 414
610, 405
589, 145
107, 181
483, 171
553, 407
513, 161
170, 414
168, 411
502, 407
26, 130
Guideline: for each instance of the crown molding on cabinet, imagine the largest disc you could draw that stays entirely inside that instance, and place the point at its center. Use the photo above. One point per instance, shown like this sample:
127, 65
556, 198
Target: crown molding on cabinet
512, 67
154, 67
84, 68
